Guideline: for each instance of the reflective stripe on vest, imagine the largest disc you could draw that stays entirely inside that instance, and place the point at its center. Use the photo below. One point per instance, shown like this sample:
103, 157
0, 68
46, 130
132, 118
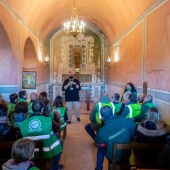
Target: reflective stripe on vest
46, 149
39, 137
133, 113
63, 125
100, 105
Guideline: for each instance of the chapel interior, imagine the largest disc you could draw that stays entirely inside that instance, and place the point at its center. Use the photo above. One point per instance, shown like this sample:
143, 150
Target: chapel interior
123, 41
133, 35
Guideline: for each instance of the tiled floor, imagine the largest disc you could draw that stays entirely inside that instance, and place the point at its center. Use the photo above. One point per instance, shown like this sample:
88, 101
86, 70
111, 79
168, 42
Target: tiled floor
79, 153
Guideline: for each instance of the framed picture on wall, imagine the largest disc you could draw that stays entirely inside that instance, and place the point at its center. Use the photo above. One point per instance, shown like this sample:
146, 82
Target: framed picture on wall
29, 80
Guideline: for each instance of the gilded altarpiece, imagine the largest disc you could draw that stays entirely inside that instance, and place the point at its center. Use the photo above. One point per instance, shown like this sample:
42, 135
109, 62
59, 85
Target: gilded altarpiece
85, 51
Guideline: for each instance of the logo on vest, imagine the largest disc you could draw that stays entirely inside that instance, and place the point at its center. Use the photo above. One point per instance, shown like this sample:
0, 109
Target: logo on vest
35, 126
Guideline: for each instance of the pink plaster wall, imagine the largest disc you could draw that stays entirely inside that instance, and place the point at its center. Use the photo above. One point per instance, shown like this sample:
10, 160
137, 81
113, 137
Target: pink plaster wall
8, 63
158, 48
8, 49
129, 66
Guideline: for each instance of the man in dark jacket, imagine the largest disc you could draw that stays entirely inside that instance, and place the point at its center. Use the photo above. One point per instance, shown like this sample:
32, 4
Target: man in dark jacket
71, 86
115, 128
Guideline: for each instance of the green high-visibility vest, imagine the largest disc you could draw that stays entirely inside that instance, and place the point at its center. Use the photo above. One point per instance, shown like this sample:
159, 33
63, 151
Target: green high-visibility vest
62, 112
40, 128
100, 105
11, 108
134, 110
30, 107
22, 100
150, 105
117, 107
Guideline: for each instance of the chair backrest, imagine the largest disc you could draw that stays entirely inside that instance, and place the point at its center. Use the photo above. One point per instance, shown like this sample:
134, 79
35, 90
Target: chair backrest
39, 147
135, 146
5, 148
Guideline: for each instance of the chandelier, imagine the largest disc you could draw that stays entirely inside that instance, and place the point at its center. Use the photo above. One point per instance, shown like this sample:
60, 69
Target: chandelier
74, 26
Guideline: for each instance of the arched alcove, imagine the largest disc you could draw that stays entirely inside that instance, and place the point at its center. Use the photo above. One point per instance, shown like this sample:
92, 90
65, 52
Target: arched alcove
30, 56
8, 62
32, 63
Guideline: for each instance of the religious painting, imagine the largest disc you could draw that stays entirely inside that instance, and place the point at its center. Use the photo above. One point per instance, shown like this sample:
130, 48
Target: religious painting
77, 56
29, 80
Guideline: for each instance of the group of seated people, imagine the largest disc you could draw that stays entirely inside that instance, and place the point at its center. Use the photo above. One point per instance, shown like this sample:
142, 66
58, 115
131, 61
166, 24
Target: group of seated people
122, 120
28, 121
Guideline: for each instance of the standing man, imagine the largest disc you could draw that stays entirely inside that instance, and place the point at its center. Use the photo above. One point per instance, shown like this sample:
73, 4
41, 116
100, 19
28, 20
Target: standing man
71, 86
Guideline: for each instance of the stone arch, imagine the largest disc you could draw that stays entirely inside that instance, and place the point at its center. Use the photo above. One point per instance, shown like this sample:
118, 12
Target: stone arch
9, 63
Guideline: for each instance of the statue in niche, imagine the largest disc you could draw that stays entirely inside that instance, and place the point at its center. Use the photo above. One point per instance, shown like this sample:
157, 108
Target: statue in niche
77, 59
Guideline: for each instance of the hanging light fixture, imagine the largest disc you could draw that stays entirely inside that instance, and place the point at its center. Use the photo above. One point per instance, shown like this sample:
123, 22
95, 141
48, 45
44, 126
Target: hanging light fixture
74, 26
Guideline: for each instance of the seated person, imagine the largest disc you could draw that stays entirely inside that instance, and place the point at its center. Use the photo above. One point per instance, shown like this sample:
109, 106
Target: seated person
118, 105
132, 108
11, 105
2, 101
130, 89
39, 127
22, 96
122, 131
20, 114
147, 103
59, 107
22, 152
7, 131
151, 130
95, 116
48, 112
141, 98
33, 97
43, 97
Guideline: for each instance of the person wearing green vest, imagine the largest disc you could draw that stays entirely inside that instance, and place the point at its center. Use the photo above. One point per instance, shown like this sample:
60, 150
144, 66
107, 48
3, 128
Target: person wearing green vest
11, 105
115, 129
59, 107
33, 97
132, 108
95, 116
19, 115
147, 103
22, 96
39, 127
22, 152
118, 105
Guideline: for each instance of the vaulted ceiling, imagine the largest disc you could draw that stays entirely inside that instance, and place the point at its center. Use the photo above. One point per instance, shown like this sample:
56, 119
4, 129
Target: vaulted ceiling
112, 17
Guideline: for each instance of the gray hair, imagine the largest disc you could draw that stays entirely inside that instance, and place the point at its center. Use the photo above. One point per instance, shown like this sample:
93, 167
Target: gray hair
22, 150
153, 115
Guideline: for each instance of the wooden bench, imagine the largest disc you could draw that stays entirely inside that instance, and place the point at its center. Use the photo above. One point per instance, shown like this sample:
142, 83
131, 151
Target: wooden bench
134, 162
40, 162
5, 150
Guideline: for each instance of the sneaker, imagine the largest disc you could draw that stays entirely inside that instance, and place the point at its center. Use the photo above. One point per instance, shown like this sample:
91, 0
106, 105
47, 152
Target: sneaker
60, 167
78, 119
68, 122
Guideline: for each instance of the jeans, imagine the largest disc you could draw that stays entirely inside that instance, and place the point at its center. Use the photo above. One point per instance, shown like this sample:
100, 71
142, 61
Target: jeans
56, 160
100, 157
90, 131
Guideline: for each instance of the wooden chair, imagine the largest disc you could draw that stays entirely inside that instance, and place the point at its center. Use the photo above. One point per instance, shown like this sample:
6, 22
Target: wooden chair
114, 165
